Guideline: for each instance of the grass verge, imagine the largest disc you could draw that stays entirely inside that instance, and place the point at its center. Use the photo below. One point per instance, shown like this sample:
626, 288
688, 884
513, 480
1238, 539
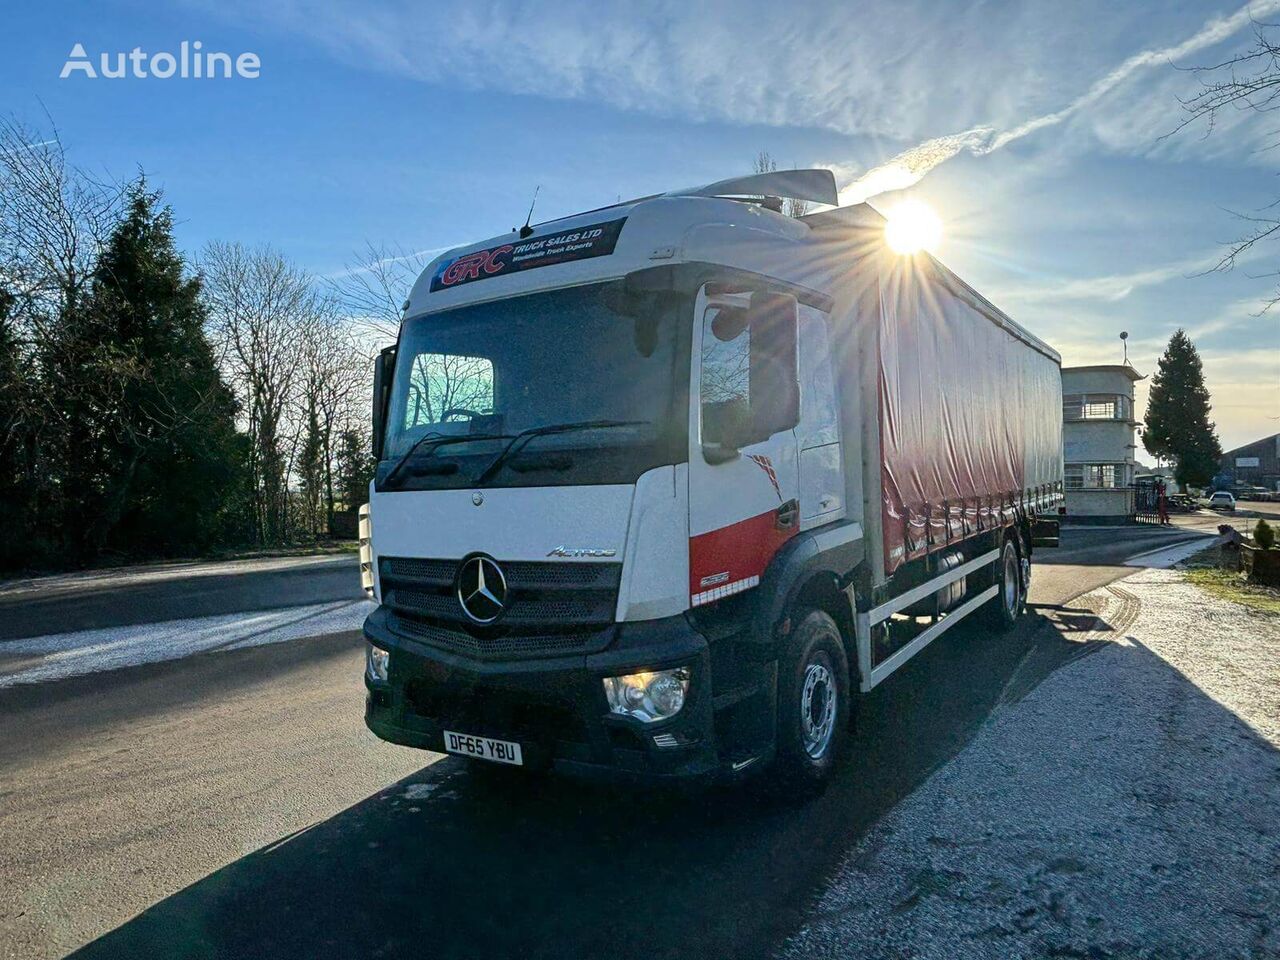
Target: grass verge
1205, 570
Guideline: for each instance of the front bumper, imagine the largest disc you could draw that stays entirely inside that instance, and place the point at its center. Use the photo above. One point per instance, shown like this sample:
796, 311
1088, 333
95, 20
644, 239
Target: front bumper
554, 708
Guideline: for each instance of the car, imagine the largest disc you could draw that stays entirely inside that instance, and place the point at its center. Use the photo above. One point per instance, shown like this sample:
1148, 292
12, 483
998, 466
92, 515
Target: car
1222, 500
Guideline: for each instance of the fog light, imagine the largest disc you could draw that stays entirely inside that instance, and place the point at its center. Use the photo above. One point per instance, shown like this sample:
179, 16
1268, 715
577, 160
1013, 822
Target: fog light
375, 662
648, 696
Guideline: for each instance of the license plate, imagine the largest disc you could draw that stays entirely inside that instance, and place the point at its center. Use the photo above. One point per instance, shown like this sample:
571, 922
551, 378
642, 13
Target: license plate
486, 748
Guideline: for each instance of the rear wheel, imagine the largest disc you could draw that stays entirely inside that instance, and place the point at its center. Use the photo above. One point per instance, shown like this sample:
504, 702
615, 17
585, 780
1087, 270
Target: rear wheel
1002, 610
813, 702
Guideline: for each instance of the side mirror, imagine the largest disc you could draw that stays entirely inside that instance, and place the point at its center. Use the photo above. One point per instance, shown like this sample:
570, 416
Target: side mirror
383, 370
775, 367
715, 453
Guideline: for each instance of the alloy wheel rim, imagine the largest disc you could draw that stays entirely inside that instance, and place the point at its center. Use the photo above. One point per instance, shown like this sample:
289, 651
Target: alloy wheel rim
817, 710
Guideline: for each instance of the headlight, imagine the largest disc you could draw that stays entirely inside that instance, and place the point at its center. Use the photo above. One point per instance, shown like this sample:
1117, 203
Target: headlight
648, 696
375, 662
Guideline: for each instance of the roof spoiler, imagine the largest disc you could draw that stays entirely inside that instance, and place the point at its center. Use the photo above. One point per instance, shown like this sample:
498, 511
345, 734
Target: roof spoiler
818, 186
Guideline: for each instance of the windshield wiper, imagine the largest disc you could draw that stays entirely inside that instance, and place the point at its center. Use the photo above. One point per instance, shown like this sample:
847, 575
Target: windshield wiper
437, 441
522, 438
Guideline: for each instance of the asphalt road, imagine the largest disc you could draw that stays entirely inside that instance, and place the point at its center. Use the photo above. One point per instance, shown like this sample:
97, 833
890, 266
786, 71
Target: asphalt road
171, 591
232, 805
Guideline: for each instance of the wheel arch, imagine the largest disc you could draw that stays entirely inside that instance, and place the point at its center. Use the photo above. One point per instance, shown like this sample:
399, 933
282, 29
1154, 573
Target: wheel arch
822, 591
813, 570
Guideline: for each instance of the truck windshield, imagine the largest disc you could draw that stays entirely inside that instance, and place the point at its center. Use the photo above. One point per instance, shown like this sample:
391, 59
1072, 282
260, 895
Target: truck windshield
597, 387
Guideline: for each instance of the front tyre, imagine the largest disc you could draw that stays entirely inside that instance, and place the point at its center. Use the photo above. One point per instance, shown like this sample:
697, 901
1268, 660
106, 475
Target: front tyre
813, 702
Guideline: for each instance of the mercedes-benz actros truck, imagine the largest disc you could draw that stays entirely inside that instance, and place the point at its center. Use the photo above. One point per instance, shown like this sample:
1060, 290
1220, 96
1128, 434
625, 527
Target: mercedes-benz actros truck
663, 487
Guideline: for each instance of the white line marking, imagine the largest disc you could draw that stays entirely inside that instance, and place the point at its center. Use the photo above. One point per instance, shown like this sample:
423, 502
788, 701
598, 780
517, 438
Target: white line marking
1164, 557
61, 655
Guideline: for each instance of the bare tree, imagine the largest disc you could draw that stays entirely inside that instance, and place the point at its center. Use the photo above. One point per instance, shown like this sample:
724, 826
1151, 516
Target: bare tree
262, 311
53, 218
1249, 81
791, 206
334, 383
373, 290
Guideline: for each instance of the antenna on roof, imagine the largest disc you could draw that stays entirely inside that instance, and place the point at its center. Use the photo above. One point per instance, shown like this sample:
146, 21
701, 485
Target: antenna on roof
526, 230
1124, 341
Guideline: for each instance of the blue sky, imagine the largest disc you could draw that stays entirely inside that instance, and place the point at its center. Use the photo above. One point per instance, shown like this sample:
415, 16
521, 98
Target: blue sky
1034, 131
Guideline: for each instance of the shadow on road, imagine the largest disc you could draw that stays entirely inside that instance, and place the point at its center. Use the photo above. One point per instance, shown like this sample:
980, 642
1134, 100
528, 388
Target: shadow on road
453, 862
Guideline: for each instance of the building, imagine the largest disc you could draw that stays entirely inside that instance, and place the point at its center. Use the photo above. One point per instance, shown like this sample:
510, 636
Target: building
1098, 445
1255, 464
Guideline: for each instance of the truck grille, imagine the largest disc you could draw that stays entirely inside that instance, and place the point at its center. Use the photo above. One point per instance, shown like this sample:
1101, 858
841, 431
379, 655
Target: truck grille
552, 609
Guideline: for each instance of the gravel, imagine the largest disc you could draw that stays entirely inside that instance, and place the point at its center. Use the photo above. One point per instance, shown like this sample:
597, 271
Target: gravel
1129, 806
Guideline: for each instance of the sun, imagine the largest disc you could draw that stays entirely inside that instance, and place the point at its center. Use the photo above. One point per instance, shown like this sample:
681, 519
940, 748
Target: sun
912, 226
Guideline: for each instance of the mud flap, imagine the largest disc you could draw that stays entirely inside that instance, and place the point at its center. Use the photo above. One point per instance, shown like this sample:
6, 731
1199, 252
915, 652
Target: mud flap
1045, 533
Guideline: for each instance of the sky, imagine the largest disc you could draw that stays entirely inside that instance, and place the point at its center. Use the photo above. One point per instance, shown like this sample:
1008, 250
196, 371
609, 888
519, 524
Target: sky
1037, 130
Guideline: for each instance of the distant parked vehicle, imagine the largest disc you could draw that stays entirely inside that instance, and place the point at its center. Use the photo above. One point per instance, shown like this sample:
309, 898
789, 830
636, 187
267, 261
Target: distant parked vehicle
1254, 493
1222, 501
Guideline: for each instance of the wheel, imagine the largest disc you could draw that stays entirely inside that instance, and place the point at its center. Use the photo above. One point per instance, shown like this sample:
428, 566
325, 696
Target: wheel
1002, 610
813, 702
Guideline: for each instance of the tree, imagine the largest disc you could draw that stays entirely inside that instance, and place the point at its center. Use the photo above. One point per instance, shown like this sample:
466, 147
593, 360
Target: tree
1177, 425
1248, 81
53, 220
373, 290
355, 468
18, 417
157, 468
791, 206
260, 310
334, 381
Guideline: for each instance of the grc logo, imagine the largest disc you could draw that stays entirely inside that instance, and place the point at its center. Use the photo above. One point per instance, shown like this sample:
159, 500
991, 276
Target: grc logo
470, 266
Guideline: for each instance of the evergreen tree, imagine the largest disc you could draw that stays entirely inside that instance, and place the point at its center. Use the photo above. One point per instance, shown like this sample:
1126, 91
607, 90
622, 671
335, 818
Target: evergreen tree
311, 471
17, 436
1177, 425
355, 469
161, 462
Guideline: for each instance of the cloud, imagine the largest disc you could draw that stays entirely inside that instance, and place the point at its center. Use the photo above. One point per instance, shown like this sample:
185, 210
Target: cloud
417, 258
911, 166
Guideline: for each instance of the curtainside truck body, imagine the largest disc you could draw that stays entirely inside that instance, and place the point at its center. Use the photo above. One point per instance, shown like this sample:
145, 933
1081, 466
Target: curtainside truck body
664, 487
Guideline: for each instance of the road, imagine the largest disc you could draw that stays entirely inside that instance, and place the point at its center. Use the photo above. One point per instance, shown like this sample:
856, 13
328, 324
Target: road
231, 804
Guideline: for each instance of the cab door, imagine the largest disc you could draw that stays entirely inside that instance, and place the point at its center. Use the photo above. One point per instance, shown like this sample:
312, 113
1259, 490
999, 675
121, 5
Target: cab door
743, 461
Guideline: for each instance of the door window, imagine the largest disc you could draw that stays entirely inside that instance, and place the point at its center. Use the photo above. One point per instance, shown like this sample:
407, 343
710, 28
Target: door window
749, 390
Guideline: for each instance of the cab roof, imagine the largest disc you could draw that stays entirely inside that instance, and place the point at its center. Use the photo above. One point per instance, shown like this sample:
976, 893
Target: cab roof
710, 224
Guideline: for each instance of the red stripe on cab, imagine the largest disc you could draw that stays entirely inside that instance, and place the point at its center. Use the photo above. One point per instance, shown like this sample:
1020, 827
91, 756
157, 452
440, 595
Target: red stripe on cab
735, 552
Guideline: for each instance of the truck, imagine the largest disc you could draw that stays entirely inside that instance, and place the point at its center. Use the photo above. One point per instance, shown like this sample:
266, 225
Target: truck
664, 487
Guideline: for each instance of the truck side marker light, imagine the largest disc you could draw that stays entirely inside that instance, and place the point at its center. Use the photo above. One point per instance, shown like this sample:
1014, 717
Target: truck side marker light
726, 590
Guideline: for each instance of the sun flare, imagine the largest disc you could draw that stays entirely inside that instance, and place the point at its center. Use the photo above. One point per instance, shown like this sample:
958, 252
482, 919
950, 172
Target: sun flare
913, 226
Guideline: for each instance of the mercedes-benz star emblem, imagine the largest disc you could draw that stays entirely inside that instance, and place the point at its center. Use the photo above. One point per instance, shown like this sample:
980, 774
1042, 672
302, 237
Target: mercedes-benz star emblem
482, 589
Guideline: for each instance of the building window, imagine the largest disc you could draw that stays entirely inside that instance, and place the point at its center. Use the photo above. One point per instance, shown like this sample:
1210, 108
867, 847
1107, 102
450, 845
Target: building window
1096, 406
1100, 475
1094, 476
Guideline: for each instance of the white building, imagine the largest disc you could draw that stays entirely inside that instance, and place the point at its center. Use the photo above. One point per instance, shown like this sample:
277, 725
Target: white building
1098, 445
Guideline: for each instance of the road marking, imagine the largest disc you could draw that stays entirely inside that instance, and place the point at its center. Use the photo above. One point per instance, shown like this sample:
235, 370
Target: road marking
61, 655
1163, 557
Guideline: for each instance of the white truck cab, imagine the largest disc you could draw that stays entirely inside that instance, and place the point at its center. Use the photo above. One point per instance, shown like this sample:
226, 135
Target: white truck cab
637, 508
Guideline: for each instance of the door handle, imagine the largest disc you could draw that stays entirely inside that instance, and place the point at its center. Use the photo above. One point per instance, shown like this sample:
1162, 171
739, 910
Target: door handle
787, 515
